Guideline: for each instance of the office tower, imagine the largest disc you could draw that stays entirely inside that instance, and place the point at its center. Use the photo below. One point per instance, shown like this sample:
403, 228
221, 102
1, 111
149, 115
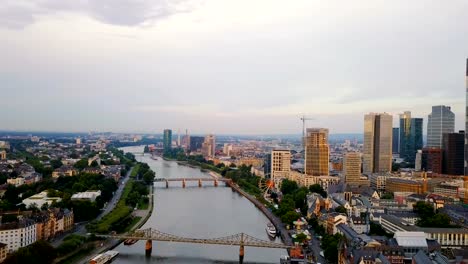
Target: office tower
466, 122
440, 121
352, 168
167, 140
418, 160
411, 138
78, 141
178, 138
395, 140
453, 160
267, 165
317, 152
377, 153
431, 160
209, 146
196, 143
3, 155
280, 165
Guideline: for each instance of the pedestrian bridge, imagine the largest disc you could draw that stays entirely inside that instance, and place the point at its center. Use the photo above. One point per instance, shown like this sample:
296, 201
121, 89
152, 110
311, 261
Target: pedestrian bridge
200, 181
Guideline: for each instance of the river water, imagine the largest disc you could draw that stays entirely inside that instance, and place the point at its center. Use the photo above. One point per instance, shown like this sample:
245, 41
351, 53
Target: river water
206, 212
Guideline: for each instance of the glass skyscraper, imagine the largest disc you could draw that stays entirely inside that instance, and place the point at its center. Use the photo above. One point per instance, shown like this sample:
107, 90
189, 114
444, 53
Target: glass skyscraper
396, 140
440, 121
466, 121
411, 136
167, 140
377, 153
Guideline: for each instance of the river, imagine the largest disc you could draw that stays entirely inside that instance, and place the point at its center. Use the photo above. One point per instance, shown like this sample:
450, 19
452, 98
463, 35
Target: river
206, 212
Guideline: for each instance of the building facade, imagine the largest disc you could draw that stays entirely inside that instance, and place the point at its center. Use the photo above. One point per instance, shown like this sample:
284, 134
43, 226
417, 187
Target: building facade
209, 146
396, 140
317, 152
18, 234
440, 121
411, 136
352, 168
431, 159
377, 153
167, 139
196, 143
466, 122
453, 146
280, 165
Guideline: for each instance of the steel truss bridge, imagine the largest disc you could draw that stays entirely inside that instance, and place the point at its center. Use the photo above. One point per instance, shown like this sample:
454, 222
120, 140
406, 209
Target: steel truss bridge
241, 239
215, 181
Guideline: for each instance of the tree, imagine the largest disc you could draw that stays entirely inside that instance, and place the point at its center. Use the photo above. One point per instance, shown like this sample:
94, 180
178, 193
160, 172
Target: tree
39, 252
288, 187
341, 209
148, 177
56, 163
317, 188
300, 238
387, 196
81, 164
290, 217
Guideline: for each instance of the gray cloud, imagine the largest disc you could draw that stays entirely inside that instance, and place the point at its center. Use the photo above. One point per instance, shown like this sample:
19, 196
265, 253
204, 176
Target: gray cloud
17, 14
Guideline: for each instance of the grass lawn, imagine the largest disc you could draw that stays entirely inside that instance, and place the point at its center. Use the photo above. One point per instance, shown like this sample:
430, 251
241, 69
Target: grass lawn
135, 220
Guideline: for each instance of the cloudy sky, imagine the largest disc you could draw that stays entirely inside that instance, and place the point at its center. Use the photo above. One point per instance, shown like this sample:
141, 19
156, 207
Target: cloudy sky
227, 66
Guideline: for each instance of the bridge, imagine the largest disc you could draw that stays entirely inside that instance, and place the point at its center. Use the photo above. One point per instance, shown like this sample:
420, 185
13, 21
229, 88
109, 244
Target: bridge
215, 181
241, 239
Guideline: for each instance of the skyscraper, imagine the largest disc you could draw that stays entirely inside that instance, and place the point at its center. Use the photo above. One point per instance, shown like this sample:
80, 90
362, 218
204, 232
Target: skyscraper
431, 159
167, 140
377, 154
396, 140
317, 152
440, 121
196, 143
411, 138
453, 160
209, 146
466, 122
352, 168
280, 165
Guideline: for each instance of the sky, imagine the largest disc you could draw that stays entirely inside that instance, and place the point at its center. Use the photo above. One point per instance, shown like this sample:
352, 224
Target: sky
227, 66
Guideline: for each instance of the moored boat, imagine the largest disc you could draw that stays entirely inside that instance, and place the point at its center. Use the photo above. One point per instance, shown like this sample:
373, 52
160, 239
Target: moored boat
104, 258
129, 242
271, 230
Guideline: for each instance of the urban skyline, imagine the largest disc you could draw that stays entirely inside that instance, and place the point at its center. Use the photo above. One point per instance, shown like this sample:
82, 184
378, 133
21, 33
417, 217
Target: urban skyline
148, 66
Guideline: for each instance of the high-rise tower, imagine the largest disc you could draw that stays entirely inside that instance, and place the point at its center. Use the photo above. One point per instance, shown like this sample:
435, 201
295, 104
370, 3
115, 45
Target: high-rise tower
377, 154
466, 121
167, 140
317, 152
440, 121
411, 136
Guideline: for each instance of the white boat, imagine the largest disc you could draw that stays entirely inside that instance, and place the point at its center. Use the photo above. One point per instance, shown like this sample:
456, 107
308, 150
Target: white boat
104, 258
271, 230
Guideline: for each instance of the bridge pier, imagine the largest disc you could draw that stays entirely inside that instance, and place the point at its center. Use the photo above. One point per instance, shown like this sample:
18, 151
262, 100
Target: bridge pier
167, 184
148, 247
183, 183
216, 183
199, 183
241, 254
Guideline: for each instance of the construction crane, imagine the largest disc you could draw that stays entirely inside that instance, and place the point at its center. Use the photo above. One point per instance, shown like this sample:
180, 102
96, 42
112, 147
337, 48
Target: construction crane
304, 119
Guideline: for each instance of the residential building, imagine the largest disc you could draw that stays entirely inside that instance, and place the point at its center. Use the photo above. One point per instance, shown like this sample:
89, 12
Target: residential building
18, 181
18, 234
196, 143
209, 146
280, 165
352, 168
317, 152
65, 171
378, 182
377, 153
431, 159
440, 121
411, 136
453, 144
167, 139
3, 251
395, 140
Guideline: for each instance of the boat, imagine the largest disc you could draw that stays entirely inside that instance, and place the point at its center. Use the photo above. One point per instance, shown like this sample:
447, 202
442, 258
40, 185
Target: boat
104, 258
129, 242
271, 230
